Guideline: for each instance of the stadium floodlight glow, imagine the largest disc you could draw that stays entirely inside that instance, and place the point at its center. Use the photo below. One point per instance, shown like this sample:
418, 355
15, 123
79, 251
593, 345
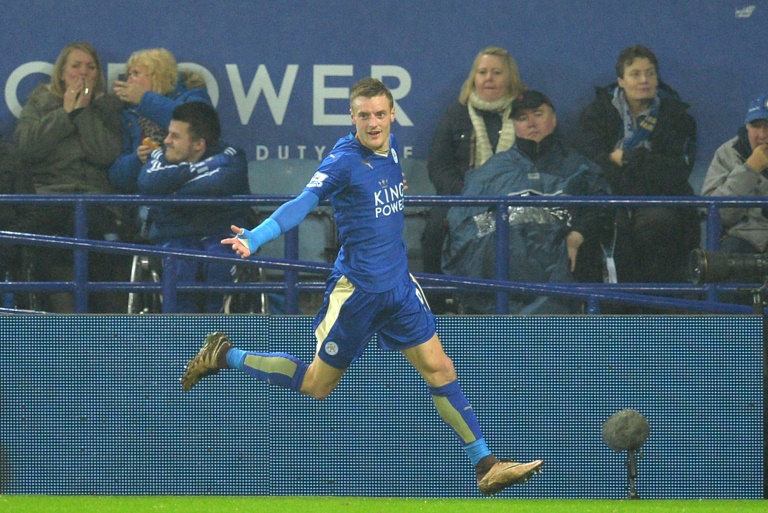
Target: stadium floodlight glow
627, 430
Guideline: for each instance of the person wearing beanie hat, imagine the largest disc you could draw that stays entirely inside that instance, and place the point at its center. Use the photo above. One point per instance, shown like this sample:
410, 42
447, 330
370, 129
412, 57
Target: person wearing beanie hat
640, 132
739, 168
546, 244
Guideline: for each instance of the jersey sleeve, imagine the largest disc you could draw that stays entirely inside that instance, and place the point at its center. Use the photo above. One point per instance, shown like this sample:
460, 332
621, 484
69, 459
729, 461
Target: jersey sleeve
331, 176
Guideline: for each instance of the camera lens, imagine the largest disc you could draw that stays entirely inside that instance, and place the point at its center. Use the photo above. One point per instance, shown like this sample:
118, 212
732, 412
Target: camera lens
719, 266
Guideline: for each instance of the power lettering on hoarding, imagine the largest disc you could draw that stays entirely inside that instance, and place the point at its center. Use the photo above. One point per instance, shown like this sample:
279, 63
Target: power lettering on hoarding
262, 84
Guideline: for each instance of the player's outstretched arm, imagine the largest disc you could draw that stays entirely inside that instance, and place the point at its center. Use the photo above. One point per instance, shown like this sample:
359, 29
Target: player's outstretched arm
287, 217
240, 246
246, 242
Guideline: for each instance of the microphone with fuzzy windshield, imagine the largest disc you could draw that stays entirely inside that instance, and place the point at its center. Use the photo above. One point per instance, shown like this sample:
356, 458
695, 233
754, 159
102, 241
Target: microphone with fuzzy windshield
627, 430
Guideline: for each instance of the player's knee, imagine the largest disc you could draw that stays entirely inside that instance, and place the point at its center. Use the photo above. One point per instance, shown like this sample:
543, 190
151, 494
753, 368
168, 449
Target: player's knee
316, 388
444, 376
439, 373
320, 380
316, 392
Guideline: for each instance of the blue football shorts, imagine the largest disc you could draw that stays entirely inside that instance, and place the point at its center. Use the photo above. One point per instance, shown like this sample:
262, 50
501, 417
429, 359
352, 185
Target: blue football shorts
350, 316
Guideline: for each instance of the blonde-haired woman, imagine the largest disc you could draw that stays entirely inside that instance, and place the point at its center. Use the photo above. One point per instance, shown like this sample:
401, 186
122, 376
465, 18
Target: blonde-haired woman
472, 130
69, 129
153, 88
69, 132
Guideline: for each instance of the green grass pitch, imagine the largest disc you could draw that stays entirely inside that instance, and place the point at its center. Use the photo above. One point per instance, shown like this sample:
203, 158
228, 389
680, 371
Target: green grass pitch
261, 504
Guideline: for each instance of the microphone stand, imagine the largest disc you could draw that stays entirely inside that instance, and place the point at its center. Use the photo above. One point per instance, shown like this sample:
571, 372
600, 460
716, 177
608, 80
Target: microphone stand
631, 465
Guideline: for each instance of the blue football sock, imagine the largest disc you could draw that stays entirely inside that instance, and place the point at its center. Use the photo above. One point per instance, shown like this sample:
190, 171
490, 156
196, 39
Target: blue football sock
279, 369
477, 450
455, 410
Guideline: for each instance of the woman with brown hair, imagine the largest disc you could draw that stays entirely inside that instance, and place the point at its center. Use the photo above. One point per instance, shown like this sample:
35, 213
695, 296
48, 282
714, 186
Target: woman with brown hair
69, 132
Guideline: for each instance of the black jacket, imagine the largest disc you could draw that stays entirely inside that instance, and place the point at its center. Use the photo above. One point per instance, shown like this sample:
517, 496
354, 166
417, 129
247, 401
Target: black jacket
15, 178
451, 151
662, 171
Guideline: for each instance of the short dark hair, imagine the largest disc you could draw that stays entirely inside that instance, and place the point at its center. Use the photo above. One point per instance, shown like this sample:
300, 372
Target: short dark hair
628, 55
203, 121
370, 88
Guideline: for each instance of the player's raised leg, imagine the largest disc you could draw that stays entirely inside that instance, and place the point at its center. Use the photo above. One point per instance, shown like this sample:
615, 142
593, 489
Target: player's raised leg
438, 371
316, 380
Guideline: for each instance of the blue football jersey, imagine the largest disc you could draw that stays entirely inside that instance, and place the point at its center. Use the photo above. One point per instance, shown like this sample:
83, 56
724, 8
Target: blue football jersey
366, 191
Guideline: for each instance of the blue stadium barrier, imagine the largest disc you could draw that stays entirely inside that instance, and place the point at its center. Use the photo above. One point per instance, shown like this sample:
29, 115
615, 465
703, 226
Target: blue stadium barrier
647, 294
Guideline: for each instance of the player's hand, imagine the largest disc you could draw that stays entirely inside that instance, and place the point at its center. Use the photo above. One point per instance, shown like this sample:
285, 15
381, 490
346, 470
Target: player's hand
239, 242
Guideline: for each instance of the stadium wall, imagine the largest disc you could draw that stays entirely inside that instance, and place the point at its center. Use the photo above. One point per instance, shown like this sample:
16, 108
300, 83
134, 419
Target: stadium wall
92, 405
279, 72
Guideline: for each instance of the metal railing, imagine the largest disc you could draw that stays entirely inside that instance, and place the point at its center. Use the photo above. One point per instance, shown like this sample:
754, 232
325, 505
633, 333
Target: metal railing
657, 295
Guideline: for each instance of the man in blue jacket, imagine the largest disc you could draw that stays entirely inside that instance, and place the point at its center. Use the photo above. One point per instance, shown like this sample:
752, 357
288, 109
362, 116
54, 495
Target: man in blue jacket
194, 162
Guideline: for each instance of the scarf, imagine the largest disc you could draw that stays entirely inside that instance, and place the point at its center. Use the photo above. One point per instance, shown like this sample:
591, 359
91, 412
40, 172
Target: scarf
637, 129
152, 130
482, 149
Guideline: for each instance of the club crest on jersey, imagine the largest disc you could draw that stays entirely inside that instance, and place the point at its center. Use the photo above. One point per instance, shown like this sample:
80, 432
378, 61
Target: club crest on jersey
332, 348
394, 155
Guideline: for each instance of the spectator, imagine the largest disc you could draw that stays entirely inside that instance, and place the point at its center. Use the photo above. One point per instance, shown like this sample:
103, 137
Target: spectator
154, 88
739, 169
194, 162
639, 131
544, 242
471, 131
69, 132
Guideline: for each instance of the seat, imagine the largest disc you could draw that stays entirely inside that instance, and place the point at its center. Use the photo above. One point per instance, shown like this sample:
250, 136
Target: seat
417, 180
145, 269
148, 269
